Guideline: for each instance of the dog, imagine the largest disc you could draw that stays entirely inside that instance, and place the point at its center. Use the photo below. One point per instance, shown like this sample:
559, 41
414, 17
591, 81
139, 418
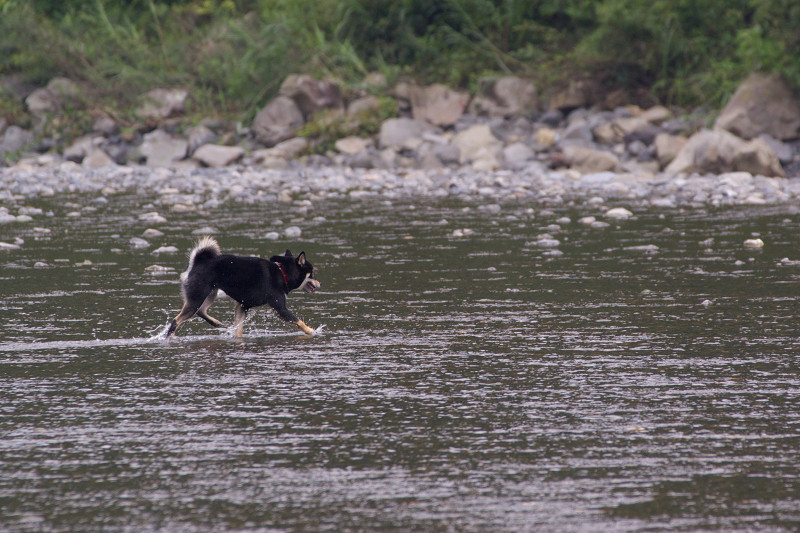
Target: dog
249, 281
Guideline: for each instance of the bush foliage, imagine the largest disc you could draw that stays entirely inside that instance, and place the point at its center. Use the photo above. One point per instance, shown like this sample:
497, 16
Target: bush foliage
233, 54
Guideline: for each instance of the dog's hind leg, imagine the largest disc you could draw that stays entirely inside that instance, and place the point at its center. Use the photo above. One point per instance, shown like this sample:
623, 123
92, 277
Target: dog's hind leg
202, 311
239, 314
186, 313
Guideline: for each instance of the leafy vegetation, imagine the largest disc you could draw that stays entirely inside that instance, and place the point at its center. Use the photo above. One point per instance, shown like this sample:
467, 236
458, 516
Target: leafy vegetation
233, 54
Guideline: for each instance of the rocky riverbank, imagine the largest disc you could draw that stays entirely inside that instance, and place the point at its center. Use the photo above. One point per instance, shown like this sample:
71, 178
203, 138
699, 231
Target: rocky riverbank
497, 143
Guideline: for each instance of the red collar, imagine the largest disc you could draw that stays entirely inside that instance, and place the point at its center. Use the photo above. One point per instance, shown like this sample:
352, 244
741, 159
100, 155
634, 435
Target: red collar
285, 277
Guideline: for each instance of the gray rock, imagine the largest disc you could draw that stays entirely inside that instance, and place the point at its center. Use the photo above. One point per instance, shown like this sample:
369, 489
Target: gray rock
277, 121
163, 103
478, 144
362, 105
762, 104
353, 145
397, 131
97, 158
719, 151
52, 100
667, 147
311, 94
578, 94
215, 156
508, 96
437, 104
14, 139
517, 155
105, 125
200, 135
160, 149
588, 160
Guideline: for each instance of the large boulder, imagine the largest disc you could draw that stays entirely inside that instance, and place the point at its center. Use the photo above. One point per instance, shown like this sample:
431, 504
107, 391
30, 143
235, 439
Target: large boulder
579, 93
508, 96
478, 146
437, 104
215, 155
589, 160
763, 104
162, 149
277, 121
719, 151
162, 103
311, 94
395, 132
14, 139
60, 94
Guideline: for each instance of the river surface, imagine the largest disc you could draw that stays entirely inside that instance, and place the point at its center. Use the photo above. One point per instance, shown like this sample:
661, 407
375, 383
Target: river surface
636, 377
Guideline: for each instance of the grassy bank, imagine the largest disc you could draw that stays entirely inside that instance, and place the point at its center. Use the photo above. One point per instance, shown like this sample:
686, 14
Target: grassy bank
233, 54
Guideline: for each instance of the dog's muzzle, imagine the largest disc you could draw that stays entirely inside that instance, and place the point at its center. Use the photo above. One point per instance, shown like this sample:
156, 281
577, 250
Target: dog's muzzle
311, 285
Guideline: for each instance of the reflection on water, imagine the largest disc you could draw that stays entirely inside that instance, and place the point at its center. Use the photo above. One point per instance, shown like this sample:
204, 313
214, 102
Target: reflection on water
637, 377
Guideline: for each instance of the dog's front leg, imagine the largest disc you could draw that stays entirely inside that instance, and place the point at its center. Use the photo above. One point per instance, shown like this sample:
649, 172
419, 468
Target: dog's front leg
279, 305
302, 325
239, 314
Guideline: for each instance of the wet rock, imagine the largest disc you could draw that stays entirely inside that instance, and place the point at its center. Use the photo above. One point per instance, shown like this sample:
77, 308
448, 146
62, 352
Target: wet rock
162, 103
165, 250
505, 97
277, 121
161, 149
137, 243
618, 213
215, 156
310, 94
763, 104
753, 243
292, 232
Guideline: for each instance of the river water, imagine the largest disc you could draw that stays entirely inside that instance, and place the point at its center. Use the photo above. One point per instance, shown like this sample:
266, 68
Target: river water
636, 377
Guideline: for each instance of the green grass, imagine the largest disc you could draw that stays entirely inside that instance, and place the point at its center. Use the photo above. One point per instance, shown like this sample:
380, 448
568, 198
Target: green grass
232, 55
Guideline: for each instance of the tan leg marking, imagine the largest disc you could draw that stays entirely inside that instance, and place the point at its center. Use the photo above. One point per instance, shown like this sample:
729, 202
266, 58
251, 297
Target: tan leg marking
307, 330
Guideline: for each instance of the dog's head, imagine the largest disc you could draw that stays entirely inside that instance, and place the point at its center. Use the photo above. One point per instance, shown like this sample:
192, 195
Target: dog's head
299, 270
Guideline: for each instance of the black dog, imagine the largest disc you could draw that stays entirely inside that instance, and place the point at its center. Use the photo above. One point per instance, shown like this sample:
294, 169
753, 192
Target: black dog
249, 281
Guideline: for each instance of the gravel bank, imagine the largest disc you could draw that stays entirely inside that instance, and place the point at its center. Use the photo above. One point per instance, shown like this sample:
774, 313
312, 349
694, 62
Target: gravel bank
212, 187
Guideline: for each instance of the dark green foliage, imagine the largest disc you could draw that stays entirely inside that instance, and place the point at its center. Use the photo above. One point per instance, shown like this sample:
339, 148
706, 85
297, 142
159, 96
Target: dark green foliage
233, 54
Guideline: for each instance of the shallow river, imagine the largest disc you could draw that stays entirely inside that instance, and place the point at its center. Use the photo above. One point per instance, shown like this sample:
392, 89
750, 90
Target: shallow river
631, 379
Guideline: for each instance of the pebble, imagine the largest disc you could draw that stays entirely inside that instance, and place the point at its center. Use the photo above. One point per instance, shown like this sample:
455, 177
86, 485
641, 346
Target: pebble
754, 243
150, 233
619, 213
165, 250
138, 243
292, 232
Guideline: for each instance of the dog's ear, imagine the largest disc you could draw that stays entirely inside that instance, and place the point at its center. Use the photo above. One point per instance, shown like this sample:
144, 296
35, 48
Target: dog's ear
288, 253
301, 259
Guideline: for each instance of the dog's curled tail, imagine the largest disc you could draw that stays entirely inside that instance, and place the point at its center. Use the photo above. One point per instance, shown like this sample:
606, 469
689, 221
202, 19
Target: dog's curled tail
206, 248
